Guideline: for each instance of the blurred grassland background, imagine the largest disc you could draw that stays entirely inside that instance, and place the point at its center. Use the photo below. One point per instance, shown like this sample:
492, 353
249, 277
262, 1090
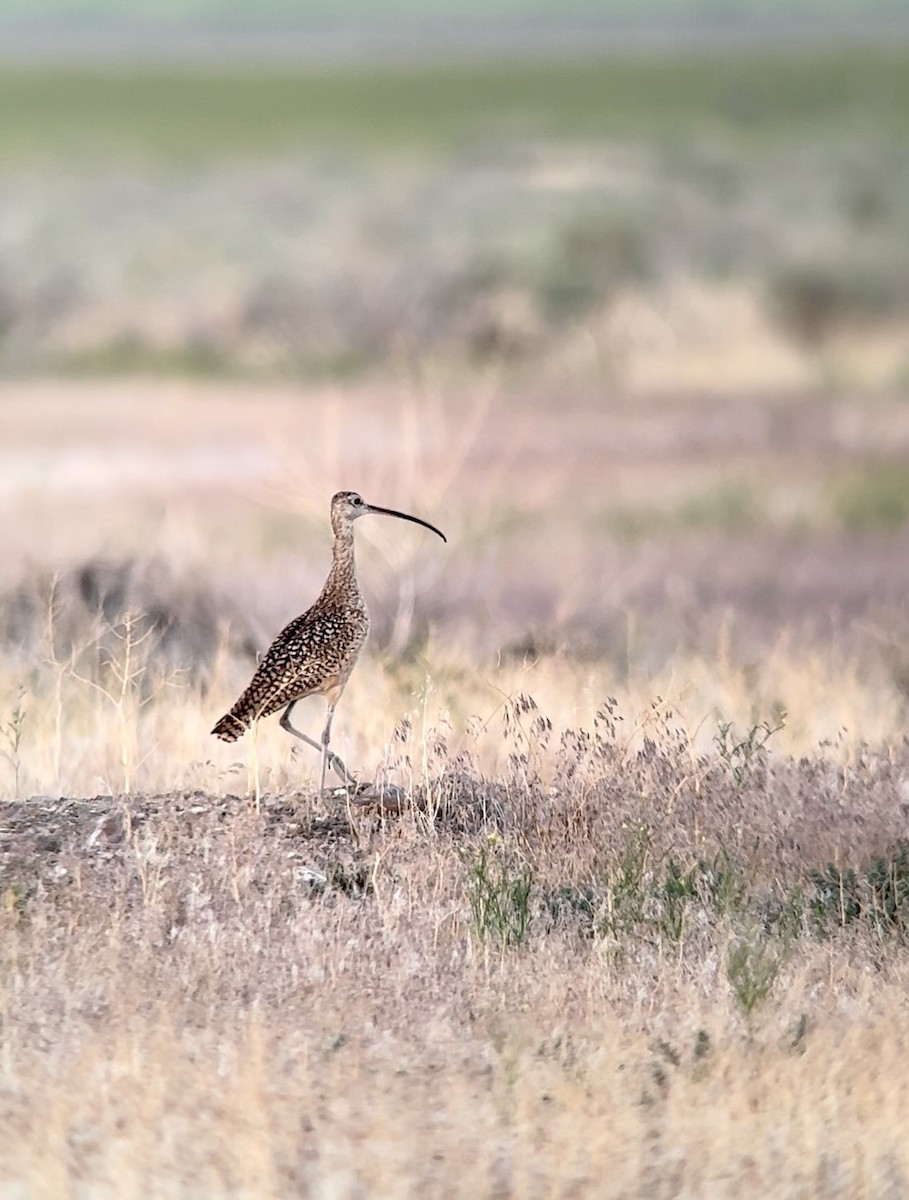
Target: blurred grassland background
335, 220
622, 305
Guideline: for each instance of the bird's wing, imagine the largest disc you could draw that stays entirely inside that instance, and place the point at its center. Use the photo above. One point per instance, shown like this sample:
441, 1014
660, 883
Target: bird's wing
307, 656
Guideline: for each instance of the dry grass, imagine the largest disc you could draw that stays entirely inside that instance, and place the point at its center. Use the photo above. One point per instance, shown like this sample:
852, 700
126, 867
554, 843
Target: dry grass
244, 1030
652, 945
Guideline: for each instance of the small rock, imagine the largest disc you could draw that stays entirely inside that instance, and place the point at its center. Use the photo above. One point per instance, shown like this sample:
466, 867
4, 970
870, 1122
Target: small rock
108, 830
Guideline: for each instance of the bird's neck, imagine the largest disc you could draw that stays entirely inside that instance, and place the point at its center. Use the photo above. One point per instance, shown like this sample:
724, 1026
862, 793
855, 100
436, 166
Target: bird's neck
342, 578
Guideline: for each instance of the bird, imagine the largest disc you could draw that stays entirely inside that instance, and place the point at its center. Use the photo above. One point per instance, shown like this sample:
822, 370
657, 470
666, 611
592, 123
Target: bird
315, 653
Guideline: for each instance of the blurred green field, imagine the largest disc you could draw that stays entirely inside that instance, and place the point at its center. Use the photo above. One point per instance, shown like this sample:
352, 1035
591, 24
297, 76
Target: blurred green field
54, 112
718, 219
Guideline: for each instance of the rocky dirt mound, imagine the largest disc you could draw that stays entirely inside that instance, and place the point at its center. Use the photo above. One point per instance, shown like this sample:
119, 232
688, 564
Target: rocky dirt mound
50, 844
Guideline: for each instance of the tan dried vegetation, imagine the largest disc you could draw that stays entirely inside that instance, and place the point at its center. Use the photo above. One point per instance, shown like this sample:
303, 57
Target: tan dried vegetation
641, 930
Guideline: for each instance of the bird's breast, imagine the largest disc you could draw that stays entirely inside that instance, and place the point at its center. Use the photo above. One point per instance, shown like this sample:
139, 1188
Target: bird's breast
343, 626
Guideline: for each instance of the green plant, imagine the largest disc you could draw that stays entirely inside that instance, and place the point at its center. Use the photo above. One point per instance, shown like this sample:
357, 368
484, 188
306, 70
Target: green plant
799, 1030
641, 894
702, 1045
717, 885
742, 755
677, 889
752, 966
499, 887
784, 914
879, 893
835, 896
354, 880
721, 883
626, 893
732, 505
888, 886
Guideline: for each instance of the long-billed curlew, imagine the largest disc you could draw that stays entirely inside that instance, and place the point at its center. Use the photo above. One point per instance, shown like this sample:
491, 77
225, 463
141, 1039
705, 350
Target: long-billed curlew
315, 654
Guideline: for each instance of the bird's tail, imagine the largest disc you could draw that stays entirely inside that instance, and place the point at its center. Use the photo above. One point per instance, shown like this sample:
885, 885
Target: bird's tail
231, 726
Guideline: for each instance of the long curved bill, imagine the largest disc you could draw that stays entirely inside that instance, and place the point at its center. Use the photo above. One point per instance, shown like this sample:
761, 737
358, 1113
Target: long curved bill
391, 512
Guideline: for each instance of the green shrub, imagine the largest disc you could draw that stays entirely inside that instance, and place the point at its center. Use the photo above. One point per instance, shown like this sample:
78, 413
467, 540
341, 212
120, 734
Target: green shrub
752, 966
499, 888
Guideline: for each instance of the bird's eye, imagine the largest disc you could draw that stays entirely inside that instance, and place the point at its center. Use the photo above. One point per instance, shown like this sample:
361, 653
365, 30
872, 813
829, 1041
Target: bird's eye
356, 501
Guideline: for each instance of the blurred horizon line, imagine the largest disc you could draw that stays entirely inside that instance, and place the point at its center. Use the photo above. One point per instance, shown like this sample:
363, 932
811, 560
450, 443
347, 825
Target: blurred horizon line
395, 39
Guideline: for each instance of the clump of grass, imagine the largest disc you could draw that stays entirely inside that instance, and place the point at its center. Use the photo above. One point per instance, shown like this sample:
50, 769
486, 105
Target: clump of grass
744, 755
876, 894
717, 886
660, 902
569, 903
752, 967
11, 733
499, 888
640, 897
128, 679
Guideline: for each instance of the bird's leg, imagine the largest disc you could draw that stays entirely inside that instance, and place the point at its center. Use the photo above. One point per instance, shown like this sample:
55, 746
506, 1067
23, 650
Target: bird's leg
326, 735
328, 756
285, 724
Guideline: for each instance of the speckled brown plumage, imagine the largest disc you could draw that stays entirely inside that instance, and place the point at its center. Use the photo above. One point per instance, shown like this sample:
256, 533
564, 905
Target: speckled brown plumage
316, 652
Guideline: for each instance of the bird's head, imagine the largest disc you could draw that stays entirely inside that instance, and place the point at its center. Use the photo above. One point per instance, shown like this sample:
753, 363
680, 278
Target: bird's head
346, 507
